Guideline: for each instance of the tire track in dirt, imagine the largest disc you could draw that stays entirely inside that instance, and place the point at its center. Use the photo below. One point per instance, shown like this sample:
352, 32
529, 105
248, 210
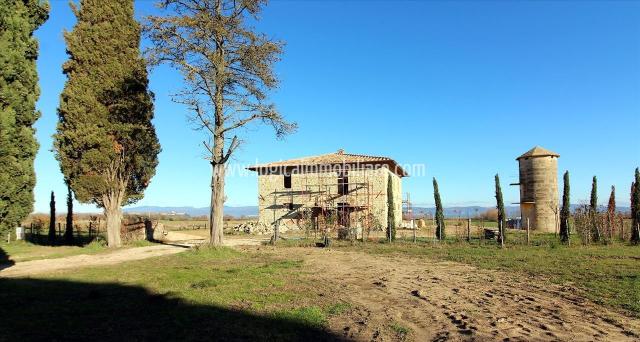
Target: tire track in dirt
441, 301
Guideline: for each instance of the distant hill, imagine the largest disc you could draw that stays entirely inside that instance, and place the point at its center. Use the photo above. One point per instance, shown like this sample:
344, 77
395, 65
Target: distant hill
450, 212
512, 211
192, 211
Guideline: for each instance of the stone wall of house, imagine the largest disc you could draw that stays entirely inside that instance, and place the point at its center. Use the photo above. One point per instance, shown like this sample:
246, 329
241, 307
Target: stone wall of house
275, 202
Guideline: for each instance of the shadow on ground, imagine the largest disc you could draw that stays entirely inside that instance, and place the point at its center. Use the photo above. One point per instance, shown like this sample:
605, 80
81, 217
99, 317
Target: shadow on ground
55, 310
43, 240
4, 260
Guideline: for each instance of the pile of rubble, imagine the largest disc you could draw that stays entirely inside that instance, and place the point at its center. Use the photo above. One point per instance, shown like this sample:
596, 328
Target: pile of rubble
253, 227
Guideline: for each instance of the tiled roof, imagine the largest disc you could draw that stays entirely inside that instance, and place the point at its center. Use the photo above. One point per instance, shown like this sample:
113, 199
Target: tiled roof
538, 152
339, 157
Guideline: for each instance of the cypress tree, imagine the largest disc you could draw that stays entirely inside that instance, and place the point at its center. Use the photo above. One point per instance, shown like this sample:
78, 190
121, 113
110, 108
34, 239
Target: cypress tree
391, 215
19, 92
633, 204
52, 219
502, 217
440, 228
68, 232
635, 209
565, 212
105, 142
593, 209
611, 211
593, 205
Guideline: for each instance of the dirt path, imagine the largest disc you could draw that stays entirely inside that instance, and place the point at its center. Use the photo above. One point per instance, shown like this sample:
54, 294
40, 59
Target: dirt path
174, 243
441, 301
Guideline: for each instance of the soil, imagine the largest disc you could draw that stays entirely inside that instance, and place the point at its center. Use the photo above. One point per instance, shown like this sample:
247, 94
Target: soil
397, 298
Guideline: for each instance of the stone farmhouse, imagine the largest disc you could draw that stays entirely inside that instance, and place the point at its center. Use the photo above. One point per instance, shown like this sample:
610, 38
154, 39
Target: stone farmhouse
329, 191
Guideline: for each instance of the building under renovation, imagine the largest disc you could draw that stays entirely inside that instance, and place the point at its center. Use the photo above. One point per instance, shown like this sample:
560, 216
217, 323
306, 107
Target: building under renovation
329, 191
539, 189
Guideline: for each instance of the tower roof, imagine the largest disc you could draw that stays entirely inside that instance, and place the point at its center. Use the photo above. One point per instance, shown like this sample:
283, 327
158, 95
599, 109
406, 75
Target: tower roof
538, 152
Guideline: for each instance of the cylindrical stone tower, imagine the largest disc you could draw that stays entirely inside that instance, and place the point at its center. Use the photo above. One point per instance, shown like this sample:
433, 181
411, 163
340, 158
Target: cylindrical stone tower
539, 189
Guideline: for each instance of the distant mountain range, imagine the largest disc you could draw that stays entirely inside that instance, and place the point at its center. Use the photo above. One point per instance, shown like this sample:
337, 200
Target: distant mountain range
191, 211
512, 211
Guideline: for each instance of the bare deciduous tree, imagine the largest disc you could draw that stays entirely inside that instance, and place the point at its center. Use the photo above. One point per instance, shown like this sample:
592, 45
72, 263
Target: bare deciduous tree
227, 69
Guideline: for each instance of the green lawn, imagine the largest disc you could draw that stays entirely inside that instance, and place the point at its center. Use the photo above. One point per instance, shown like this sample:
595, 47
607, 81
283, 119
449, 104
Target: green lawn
606, 274
206, 294
17, 251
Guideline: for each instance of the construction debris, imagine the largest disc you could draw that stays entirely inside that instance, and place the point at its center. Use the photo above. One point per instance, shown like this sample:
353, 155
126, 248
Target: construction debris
258, 228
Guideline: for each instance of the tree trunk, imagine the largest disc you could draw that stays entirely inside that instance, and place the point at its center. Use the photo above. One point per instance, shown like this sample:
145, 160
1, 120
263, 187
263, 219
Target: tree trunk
217, 203
113, 219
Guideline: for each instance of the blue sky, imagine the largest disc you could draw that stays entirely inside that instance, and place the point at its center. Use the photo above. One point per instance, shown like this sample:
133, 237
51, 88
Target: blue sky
463, 87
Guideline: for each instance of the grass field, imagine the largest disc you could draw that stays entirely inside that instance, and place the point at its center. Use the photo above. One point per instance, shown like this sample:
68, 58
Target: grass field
251, 296
18, 251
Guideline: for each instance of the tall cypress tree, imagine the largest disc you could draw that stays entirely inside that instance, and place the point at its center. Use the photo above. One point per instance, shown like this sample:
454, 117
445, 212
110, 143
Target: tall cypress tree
105, 142
633, 204
593, 204
611, 212
440, 228
52, 219
565, 212
18, 94
68, 232
391, 213
593, 209
635, 209
502, 217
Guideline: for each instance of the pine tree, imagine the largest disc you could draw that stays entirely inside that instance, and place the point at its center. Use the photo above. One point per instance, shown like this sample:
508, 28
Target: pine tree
593, 209
440, 228
105, 142
611, 212
228, 68
565, 212
635, 210
19, 92
68, 232
502, 217
391, 216
52, 219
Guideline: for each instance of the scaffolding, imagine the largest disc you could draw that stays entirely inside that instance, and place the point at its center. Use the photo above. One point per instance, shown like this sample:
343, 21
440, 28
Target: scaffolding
329, 202
407, 214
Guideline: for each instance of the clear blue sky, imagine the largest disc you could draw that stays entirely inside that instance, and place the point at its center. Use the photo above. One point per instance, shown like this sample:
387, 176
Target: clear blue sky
463, 87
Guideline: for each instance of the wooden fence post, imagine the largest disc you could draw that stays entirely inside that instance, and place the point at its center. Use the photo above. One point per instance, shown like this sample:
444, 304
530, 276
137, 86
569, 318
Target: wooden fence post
469, 230
501, 231
528, 227
413, 223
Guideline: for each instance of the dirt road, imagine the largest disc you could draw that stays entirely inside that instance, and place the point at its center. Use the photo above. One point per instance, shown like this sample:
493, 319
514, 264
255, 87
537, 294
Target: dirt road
175, 243
441, 301
29, 268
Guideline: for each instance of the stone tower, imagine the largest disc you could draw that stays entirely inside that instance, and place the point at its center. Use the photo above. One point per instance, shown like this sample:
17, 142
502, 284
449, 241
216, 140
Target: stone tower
539, 189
